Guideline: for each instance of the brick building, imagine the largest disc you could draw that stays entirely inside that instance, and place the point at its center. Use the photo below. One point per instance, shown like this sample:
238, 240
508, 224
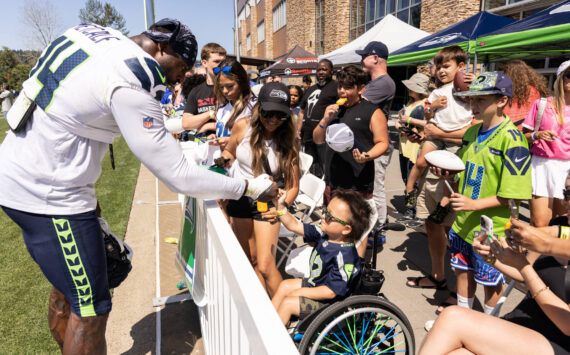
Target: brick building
270, 28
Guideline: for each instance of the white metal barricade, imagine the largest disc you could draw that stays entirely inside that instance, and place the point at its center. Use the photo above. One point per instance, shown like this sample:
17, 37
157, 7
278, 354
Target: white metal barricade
236, 315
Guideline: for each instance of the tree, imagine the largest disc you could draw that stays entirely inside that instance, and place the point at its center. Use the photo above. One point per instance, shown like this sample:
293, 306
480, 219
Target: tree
41, 22
12, 70
104, 15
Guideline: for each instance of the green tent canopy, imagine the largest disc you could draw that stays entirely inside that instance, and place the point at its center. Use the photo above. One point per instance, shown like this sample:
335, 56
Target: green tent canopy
545, 33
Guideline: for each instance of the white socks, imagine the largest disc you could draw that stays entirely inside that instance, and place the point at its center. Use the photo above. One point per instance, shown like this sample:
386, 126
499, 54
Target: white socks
465, 302
488, 309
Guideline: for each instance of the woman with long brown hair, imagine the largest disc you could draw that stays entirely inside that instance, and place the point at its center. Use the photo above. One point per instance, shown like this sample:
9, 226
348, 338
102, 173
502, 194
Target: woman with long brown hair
528, 86
264, 145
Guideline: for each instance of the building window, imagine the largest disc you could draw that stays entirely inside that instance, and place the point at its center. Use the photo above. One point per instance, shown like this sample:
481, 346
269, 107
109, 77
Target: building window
261, 32
241, 17
280, 15
319, 27
364, 14
248, 42
247, 9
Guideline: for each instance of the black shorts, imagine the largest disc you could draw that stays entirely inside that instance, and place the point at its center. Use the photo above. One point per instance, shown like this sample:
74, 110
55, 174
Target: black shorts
245, 207
70, 252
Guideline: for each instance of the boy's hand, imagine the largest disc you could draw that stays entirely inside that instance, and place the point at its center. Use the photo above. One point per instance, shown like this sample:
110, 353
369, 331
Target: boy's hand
460, 202
481, 247
360, 158
330, 111
440, 102
469, 77
440, 173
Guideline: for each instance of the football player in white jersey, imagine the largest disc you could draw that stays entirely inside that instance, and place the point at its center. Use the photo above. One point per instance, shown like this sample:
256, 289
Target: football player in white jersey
89, 86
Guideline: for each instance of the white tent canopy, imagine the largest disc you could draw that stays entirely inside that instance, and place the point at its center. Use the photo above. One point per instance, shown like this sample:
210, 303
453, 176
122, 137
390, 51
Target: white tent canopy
391, 31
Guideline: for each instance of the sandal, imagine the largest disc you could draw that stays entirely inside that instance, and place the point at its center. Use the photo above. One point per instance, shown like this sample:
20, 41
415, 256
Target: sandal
446, 304
440, 285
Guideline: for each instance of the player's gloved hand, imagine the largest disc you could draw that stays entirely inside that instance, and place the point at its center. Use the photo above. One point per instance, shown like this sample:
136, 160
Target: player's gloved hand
261, 188
174, 125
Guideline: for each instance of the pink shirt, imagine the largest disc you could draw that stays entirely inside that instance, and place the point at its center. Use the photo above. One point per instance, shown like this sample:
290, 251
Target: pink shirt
560, 147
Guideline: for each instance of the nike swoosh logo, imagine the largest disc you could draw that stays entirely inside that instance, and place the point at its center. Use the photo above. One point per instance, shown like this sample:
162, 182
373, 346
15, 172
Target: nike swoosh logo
163, 78
519, 160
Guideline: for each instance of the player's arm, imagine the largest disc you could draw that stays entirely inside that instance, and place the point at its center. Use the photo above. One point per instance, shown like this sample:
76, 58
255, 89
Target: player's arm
315, 293
156, 149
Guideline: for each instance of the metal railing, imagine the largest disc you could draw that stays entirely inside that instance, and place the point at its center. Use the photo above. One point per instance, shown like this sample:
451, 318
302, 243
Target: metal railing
236, 315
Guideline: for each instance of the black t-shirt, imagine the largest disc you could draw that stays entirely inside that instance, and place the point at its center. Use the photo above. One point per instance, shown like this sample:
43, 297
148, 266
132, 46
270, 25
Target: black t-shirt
315, 101
201, 99
380, 92
341, 170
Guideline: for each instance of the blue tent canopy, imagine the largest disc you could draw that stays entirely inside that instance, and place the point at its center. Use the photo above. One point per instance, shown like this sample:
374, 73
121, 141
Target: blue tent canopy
462, 33
545, 33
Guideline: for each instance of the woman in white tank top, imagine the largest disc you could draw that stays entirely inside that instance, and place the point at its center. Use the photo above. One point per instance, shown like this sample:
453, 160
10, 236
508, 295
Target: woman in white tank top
264, 145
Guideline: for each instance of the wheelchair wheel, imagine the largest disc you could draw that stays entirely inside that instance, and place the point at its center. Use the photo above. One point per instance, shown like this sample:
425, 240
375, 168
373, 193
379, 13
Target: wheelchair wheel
359, 325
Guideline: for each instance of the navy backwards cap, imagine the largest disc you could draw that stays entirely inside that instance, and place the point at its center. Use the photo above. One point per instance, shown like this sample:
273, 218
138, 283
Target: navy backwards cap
180, 39
275, 97
376, 48
489, 83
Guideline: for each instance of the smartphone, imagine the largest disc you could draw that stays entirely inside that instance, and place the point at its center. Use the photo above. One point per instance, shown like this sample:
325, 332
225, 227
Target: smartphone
406, 129
487, 226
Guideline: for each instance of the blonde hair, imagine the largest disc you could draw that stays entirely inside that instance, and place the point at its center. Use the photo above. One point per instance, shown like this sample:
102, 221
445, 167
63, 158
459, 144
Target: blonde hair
286, 148
559, 101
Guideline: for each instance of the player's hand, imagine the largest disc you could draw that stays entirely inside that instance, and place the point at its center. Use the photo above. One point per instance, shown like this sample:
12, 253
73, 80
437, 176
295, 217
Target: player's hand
440, 102
547, 135
460, 202
360, 158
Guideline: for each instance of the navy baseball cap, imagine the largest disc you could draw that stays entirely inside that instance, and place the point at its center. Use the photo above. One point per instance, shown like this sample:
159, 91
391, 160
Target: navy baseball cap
489, 83
275, 97
181, 39
376, 48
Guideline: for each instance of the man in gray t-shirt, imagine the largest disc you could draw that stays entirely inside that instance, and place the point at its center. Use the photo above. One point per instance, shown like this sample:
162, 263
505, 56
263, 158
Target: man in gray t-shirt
380, 91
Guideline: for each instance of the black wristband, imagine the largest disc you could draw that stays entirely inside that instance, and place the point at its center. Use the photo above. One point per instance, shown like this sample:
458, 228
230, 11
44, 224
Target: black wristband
285, 204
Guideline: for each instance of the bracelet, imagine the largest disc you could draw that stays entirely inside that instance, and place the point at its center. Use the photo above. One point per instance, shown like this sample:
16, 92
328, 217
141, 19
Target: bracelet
409, 120
212, 114
564, 232
282, 212
323, 127
533, 136
540, 291
298, 132
286, 204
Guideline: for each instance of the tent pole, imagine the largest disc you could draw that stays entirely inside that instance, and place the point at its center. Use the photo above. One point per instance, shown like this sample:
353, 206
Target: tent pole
475, 64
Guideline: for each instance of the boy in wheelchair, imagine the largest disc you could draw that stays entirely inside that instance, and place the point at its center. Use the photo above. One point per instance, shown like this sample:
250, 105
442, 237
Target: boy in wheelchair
334, 261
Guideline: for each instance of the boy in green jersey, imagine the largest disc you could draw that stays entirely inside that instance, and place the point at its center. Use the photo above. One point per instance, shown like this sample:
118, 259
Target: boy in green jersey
497, 168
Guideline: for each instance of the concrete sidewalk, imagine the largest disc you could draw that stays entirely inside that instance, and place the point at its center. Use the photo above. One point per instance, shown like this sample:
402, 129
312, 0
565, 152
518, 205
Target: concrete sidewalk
136, 328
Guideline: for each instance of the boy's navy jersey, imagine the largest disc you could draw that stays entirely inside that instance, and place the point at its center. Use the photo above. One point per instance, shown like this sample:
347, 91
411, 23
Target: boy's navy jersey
333, 265
497, 166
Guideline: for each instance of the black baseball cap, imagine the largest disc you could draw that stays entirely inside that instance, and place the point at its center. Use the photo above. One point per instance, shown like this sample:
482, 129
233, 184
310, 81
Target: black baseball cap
275, 97
376, 48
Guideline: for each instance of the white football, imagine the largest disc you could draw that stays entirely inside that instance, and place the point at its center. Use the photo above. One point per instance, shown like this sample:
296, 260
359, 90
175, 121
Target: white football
445, 160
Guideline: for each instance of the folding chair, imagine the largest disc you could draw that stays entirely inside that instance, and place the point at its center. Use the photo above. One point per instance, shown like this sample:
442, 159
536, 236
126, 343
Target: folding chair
311, 190
305, 162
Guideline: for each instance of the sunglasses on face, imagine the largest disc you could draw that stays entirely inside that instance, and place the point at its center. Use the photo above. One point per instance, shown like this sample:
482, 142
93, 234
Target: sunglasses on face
328, 217
226, 70
566, 193
281, 116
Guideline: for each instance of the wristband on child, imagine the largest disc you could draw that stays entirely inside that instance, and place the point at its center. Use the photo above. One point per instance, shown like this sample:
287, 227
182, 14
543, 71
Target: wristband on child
564, 232
282, 212
323, 127
409, 120
212, 114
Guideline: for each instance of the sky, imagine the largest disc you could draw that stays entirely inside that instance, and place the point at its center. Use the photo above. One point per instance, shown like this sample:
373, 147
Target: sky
209, 20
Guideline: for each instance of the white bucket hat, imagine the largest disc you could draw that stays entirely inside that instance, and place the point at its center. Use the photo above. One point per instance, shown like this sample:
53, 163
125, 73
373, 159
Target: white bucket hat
562, 68
340, 137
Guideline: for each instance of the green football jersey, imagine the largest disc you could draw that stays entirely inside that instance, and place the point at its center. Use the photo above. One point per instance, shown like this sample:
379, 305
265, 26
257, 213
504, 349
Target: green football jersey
498, 166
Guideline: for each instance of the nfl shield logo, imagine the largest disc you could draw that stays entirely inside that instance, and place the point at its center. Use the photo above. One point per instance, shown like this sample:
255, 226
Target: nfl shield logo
147, 121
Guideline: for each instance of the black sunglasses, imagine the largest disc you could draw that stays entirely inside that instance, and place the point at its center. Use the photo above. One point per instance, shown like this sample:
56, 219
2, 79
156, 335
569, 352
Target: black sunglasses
226, 70
566, 193
282, 116
328, 217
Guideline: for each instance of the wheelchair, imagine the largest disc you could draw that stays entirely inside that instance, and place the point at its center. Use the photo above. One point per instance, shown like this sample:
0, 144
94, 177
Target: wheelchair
364, 323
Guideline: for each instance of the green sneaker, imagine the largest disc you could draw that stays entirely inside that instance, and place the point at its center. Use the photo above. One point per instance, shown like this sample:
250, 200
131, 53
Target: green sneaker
439, 214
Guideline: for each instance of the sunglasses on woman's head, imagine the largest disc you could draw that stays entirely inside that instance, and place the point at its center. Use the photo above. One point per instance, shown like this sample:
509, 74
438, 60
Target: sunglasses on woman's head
328, 217
226, 70
282, 116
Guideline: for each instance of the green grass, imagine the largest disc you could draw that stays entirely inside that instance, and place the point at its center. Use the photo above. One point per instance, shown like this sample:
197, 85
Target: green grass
24, 290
